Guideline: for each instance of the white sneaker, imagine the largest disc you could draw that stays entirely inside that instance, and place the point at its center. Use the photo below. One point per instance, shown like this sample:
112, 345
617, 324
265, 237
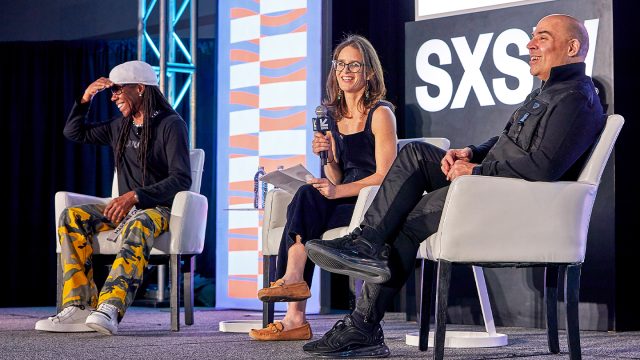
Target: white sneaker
70, 319
104, 319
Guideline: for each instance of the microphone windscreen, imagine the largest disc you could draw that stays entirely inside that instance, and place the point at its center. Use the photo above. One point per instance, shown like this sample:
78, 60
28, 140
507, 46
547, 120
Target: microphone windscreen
321, 111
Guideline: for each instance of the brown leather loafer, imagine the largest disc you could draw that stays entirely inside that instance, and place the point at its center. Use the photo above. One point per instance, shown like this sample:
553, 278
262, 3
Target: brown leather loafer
276, 332
279, 291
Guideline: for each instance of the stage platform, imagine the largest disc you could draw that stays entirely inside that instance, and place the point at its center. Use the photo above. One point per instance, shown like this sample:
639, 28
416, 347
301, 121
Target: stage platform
144, 334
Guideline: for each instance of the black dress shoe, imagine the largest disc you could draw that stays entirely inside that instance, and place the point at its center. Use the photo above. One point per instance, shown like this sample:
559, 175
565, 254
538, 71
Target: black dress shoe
346, 339
351, 255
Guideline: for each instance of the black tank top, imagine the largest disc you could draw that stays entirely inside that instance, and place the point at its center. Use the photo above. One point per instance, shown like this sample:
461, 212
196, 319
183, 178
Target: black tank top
356, 152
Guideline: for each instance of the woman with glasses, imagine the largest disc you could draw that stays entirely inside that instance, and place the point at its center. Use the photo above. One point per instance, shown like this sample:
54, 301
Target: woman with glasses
151, 156
360, 146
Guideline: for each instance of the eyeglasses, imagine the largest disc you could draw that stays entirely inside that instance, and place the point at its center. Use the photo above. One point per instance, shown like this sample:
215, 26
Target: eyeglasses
354, 67
117, 89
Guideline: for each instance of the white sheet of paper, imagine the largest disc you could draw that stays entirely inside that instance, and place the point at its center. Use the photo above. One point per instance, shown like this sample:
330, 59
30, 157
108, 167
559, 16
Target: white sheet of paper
289, 179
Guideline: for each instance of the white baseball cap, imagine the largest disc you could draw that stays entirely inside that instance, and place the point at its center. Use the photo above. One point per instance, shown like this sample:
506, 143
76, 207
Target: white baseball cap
134, 72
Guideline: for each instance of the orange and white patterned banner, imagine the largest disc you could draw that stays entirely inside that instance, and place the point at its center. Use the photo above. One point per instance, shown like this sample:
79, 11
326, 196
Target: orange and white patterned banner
269, 82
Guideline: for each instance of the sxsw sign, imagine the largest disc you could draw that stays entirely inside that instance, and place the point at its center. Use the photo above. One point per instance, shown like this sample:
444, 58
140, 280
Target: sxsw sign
503, 51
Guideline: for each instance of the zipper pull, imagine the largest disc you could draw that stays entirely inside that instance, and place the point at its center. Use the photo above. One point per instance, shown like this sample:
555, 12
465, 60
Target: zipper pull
521, 121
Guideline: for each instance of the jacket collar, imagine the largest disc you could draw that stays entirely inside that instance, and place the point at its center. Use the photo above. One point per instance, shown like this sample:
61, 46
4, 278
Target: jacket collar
565, 72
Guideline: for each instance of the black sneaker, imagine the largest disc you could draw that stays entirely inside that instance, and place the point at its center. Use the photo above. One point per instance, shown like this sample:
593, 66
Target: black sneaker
346, 339
351, 255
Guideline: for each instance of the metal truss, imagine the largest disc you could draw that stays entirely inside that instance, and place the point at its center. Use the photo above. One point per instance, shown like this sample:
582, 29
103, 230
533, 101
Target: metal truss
177, 77
164, 54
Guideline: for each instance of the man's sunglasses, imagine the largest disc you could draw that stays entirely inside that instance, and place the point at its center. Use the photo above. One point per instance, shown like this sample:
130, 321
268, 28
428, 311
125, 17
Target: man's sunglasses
117, 89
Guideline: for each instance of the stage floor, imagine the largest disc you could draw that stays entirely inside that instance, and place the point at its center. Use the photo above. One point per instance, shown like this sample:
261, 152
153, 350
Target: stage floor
144, 334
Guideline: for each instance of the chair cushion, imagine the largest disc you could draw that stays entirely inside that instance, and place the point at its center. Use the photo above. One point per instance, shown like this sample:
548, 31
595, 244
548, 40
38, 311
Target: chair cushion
425, 251
335, 233
102, 246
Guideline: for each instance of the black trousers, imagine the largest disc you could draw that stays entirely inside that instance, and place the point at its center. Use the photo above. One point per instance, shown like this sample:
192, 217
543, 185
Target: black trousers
309, 215
403, 217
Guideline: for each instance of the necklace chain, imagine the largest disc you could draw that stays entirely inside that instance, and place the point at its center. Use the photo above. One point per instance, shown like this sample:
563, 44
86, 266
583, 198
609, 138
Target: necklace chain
141, 125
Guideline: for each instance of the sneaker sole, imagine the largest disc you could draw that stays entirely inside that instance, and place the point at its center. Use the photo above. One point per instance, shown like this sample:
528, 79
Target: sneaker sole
75, 328
373, 351
101, 329
339, 265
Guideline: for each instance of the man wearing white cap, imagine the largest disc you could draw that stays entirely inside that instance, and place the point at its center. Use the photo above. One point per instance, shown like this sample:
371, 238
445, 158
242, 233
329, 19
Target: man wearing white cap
152, 161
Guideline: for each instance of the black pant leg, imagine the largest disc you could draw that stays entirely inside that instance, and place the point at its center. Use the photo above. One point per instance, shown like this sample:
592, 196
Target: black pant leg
309, 215
422, 222
415, 170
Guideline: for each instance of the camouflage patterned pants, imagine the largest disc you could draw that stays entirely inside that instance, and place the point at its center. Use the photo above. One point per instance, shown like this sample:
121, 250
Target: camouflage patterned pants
76, 228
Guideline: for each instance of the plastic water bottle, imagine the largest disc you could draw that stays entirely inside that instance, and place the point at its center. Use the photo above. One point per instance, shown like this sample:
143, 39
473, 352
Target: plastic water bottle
259, 189
265, 189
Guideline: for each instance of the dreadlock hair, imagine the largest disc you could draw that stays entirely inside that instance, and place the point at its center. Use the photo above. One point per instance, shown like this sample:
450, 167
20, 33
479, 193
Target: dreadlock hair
152, 102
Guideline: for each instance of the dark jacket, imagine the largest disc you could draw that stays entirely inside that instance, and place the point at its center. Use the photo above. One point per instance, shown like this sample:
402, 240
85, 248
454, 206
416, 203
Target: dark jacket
168, 166
549, 137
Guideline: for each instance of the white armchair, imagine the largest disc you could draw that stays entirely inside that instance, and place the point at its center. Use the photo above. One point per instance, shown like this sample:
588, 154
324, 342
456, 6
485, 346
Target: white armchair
505, 222
183, 241
275, 213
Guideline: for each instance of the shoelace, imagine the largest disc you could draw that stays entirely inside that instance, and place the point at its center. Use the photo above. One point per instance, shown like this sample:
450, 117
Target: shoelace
339, 325
350, 238
66, 312
278, 282
354, 239
107, 310
274, 328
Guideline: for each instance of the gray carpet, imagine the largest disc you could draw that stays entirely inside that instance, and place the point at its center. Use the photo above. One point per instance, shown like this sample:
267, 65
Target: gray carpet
144, 334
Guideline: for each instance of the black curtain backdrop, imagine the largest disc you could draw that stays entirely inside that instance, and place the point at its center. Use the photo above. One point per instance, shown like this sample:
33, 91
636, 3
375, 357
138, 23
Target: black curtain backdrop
627, 194
40, 82
382, 23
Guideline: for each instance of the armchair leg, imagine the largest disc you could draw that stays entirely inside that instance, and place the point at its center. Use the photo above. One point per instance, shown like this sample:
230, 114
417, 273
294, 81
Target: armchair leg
442, 295
426, 290
571, 298
59, 283
483, 296
551, 299
174, 301
409, 296
188, 269
268, 275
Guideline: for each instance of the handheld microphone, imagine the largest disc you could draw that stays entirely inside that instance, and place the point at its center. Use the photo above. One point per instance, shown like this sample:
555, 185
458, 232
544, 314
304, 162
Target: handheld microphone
321, 124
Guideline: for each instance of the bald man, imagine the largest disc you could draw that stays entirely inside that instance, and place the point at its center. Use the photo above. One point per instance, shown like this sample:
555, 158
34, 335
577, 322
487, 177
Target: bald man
548, 138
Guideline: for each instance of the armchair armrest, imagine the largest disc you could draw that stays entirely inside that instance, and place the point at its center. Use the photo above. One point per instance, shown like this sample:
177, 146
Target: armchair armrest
188, 223
365, 197
274, 219
275, 208
65, 199
497, 219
